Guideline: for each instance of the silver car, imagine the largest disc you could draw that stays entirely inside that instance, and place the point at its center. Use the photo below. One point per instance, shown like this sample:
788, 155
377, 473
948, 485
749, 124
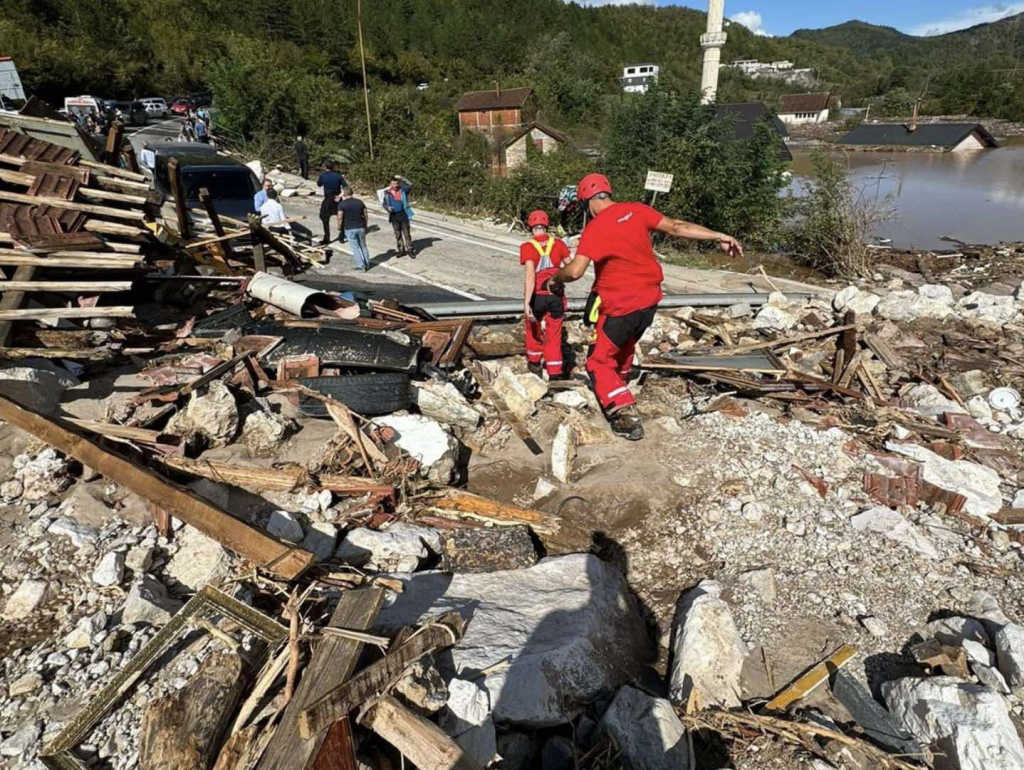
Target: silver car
155, 107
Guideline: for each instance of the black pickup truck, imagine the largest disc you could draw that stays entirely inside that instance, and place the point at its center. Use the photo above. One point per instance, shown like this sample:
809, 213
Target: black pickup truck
231, 183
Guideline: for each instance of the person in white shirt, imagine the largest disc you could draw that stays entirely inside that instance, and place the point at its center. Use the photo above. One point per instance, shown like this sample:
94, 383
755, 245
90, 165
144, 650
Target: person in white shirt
272, 213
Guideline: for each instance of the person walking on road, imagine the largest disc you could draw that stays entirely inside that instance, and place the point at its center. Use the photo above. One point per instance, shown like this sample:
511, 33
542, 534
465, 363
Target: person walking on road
396, 203
541, 257
331, 182
202, 135
617, 239
302, 156
352, 222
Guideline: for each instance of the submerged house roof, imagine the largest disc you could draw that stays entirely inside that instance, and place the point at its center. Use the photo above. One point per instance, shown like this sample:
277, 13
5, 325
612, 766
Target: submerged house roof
946, 135
799, 103
503, 99
741, 117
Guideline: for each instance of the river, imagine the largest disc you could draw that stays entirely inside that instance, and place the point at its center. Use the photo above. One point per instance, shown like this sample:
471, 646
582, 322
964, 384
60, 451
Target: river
975, 196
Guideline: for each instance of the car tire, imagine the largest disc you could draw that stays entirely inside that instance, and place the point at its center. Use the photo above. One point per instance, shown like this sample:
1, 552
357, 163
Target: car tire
370, 395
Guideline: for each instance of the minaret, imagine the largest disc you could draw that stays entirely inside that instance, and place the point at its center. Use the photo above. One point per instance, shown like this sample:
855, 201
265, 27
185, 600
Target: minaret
712, 42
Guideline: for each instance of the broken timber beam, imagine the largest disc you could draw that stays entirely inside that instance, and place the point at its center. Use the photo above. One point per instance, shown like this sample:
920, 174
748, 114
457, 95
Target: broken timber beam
81, 287
332, 663
60, 203
12, 299
551, 529
39, 313
285, 561
812, 679
435, 635
275, 479
178, 191
421, 741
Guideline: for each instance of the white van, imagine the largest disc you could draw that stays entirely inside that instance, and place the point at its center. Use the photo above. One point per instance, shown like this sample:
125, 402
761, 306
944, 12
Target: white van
83, 105
155, 106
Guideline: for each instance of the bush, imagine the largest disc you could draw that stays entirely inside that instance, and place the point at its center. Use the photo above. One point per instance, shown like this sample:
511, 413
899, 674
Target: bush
832, 222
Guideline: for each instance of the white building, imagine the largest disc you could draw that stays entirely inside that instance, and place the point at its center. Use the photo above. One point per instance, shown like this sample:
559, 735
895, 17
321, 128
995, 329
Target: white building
806, 108
637, 78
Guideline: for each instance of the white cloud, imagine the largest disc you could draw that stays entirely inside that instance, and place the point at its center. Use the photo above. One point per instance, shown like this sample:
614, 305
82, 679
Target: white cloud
751, 20
978, 14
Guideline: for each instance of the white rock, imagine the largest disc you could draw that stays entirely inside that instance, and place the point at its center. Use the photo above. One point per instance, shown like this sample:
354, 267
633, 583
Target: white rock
199, 559
772, 317
443, 402
110, 570
889, 523
978, 653
26, 599
646, 731
739, 310
81, 635
78, 533
284, 525
427, 442
762, 581
954, 630
469, 705
140, 558
1009, 643
967, 724
567, 626
23, 739
980, 485
535, 387
860, 302
25, 684
320, 540
927, 400
148, 602
11, 490
263, 433
937, 292
909, 305
46, 474
574, 398
514, 393
979, 409
543, 489
874, 626
400, 548
988, 309
563, 453
213, 415
708, 653
990, 677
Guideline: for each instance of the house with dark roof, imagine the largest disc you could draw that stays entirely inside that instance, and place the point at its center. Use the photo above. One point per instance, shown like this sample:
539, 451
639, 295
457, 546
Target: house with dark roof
797, 109
496, 113
948, 137
515, 150
740, 118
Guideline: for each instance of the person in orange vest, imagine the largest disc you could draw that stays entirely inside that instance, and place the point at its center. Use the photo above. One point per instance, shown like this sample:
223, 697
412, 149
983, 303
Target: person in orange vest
617, 239
541, 256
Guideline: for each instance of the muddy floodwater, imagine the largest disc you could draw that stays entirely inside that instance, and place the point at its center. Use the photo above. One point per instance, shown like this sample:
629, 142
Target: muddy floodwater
975, 196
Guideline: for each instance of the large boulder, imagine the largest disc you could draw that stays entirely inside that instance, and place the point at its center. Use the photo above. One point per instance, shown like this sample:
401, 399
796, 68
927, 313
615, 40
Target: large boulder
552, 636
978, 484
646, 731
987, 309
396, 549
966, 726
708, 653
443, 402
909, 305
860, 302
1009, 642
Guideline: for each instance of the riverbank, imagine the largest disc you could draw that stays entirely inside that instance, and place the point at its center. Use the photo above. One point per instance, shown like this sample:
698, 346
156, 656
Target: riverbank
816, 134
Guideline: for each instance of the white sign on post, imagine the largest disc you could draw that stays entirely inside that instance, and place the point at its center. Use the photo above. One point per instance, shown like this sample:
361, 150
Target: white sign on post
658, 181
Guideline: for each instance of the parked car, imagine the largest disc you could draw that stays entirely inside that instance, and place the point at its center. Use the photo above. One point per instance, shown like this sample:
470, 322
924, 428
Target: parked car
231, 183
155, 106
180, 106
152, 152
132, 113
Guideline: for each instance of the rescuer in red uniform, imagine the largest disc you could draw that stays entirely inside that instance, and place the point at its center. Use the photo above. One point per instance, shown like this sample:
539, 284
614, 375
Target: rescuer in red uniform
628, 284
541, 256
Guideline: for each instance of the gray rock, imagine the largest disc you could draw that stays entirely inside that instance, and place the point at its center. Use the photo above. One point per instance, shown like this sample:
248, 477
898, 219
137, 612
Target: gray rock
263, 433
11, 490
708, 653
889, 523
212, 415
517, 751
874, 626
970, 384
400, 548
927, 400
646, 731
563, 453
990, 677
909, 305
140, 558
967, 726
953, 631
443, 402
936, 292
468, 720
422, 686
739, 310
148, 602
427, 442
762, 582
81, 635
25, 684
199, 559
44, 475
567, 627
33, 388
23, 739
285, 526
987, 309
26, 599
110, 570
772, 317
320, 540
980, 485
1009, 644
78, 533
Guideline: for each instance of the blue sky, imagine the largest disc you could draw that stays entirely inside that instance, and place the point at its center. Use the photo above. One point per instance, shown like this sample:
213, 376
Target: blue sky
916, 17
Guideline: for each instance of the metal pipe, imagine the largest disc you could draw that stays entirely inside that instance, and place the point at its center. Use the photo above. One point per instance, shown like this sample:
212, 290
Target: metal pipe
498, 307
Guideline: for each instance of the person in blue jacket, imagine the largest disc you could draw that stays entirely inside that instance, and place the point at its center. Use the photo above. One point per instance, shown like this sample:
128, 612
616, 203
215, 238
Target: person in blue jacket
396, 203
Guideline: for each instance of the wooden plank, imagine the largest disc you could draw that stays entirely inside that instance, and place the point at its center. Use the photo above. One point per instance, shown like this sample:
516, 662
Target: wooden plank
484, 509
37, 167
47, 244
284, 560
107, 195
178, 192
338, 749
116, 228
22, 259
80, 354
12, 300
440, 633
332, 663
60, 203
39, 313
105, 168
85, 287
419, 740
811, 680
112, 148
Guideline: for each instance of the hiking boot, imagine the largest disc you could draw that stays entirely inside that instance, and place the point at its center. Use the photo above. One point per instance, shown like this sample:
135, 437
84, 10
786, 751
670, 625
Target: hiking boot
537, 369
626, 422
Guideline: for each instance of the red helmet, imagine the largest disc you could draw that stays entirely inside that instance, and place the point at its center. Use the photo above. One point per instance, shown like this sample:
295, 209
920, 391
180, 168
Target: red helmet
591, 185
537, 217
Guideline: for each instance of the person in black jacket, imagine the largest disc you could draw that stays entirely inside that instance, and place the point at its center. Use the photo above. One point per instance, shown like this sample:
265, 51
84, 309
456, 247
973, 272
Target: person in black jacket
331, 182
302, 156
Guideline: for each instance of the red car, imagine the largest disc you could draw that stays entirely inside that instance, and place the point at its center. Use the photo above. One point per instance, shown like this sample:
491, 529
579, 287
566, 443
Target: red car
180, 106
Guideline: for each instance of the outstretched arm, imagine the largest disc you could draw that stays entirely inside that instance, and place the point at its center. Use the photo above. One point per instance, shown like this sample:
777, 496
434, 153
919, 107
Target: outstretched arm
680, 228
574, 270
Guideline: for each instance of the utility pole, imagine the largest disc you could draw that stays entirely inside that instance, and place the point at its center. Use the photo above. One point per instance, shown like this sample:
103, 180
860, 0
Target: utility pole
362, 57
712, 41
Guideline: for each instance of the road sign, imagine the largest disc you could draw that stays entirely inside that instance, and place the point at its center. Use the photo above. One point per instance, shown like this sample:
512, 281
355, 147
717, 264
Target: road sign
658, 181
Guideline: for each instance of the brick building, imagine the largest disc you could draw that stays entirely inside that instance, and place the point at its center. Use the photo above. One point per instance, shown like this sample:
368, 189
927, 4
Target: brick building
496, 113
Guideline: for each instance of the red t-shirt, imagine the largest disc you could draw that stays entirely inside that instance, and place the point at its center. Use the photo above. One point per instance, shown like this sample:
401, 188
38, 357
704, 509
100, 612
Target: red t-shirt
559, 254
618, 242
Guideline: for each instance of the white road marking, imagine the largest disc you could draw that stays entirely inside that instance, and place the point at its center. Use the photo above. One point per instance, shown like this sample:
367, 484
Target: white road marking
407, 274
154, 126
454, 237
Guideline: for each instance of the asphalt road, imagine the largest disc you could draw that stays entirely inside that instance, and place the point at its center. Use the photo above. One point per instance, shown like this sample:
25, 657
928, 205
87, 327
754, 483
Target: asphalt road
471, 259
